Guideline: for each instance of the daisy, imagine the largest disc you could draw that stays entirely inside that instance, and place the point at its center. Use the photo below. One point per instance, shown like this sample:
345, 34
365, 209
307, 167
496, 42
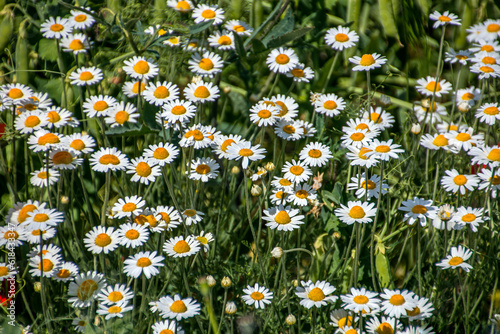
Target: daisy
302, 195
445, 127
80, 143
491, 30
206, 65
279, 196
144, 170
461, 56
151, 219
132, 88
308, 128
362, 185
179, 308
486, 180
178, 247
341, 318
166, 327
315, 154
45, 265
161, 153
143, 262
86, 76
41, 177
358, 124
282, 60
470, 216
470, 95
58, 117
360, 157
160, 93
486, 58
396, 303
264, 115
195, 136
380, 117
192, 216
43, 140
315, 294
62, 158
457, 259
454, 182
356, 212
204, 13
98, 106
16, 92
261, 172
239, 27
296, 171
329, 105
80, 323
122, 114
283, 183
12, 235
384, 325
140, 68
67, 271
178, 111
435, 142
422, 310
418, 209
7, 271
485, 71
81, 20
246, 152
19, 212
133, 235
485, 155
429, 115
41, 218
108, 159
384, 150
367, 62
128, 207
487, 46
288, 129
222, 40
283, 218
300, 73
76, 43
182, 6
488, 113
428, 87
341, 38
289, 107
114, 311
443, 218
193, 45
204, 169
102, 239
360, 300
30, 121
222, 143
444, 19
201, 92
358, 138
257, 295
48, 249
204, 239
418, 330
56, 28
33, 236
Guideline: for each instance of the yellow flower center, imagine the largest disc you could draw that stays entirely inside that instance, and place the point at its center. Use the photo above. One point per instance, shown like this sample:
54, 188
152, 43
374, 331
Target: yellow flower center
80, 18
491, 111
202, 169
443, 18
289, 129
129, 207
201, 92
489, 61
284, 108
141, 67
419, 209
86, 76
296, 170
314, 153
282, 59
114, 309
202, 240
63, 273
493, 27
245, 152
467, 96
143, 169
460, 180
31, 121
121, 117
455, 261
357, 136
351, 331
487, 48
356, 212
239, 28
132, 234
494, 155
160, 153
102, 240
257, 295
264, 113
360, 299
362, 126
53, 116
46, 264
384, 328
224, 40
440, 140
144, 262
62, 158
57, 27
208, 14
279, 194
34, 232
100, 106
135, 87
382, 149
461, 57
469, 217
76, 45
285, 182
166, 331
15, 93
496, 180
397, 300
181, 247
206, 64
362, 153
340, 37
433, 85
161, 92
414, 312
345, 321
302, 194
115, 296
297, 72
486, 69
316, 295
282, 218
330, 105
41, 217
48, 138
11, 234
369, 184
109, 159
23, 214
375, 117
367, 60
183, 6
86, 289
190, 212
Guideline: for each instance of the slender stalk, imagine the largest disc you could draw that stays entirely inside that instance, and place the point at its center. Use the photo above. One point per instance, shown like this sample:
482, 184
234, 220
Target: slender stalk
330, 72
374, 227
106, 198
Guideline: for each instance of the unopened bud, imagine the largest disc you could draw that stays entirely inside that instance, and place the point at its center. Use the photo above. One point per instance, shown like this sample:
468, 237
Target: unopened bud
226, 89
256, 190
415, 129
37, 286
291, 320
196, 79
64, 199
211, 281
277, 252
226, 282
336, 235
231, 308
84, 133
295, 283
235, 170
464, 106
269, 166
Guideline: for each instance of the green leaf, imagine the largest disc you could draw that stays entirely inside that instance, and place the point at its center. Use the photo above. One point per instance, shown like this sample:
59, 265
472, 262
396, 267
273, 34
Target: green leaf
283, 27
196, 28
387, 18
47, 49
240, 49
288, 37
268, 19
148, 116
383, 270
133, 129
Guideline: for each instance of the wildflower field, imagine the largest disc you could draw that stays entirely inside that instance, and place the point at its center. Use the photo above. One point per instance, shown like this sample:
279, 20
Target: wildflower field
265, 166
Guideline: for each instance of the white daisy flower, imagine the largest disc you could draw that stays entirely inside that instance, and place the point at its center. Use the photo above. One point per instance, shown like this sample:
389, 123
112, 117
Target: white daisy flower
195, 136
384, 325
356, 212
358, 138
485, 71
45, 265
282, 60
261, 172
490, 30
114, 311
167, 327
182, 6
43, 140
485, 155
132, 88
63, 158
222, 142
108, 159
58, 117
422, 310
98, 106
428, 86
192, 216
380, 117
206, 65
443, 218
484, 45
257, 295
140, 68
160, 93
309, 129
86, 76
204, 239
360, 157
13, 235
144, 170
143, 262
161, 153
263, 114
246, 152
16, 92
204, 13
302, 194
396, 303
239, 27
30, 121
488, 113
79, 143
178, 111
76, 43
469, 95
7, 271
80, 322
329, 105
418, 209
454, 182
444, 19
362, 185
341, 318
33, 236
122, 114
118, 293
67, 272
486, 58
102, 240
19, 212
41, 177
128, 207
487, 182
283, 183
300, 73
296, 171
435, 142
367, 62
315, 294
133, 235
289, 107
283, 218
204, 169
461, 56
221, 40
288, 129
81, 20
179, 308
42, 218
315, 154
341, 38
385, 150
56, 28
201, 92
279, 196
433, 115
46, 249
360, 300
457, 259
469, 216
178, 247
445, 127
358, 124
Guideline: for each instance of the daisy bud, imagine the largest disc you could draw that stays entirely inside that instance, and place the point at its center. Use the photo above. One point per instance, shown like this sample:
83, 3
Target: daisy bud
235, 170
464, 106
336, 235
84, 133
37, 286
231, 308
97, 320
64, 199
291, 320
226, 89
269, 166
256, 190
211, 281
295, 283
415, 128
277, 252
226, 282
426, 103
